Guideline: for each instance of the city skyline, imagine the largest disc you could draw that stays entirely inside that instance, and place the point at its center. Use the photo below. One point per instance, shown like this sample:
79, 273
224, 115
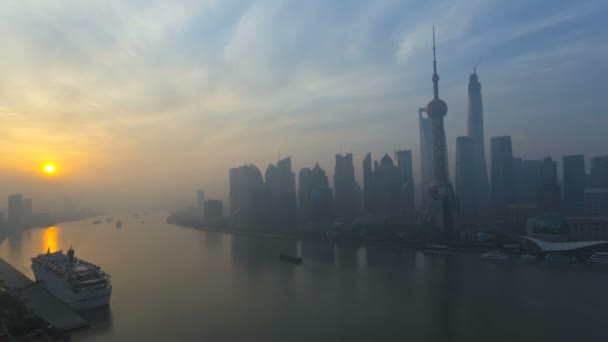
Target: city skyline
118, 104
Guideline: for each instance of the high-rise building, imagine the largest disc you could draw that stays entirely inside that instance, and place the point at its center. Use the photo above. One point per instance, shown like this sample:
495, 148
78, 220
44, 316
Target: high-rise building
465, 181
503, 175
27, 210
200, 201
596, 202
426, 156
599, 172
368, 191
549, 192
15, 208
316, 197
248, 197
528, 179
441, 188
405, 165
345, 201
281, 188
387, 184
574, 182
475, 132
213, 210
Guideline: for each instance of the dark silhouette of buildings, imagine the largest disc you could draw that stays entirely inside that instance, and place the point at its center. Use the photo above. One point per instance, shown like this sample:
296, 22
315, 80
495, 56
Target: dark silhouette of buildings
598, 178
247, 198
316, 197
406, 176
368, 191
528, 179
213, 210
476, 132
345, 192
596, 202
281, 190
15, 210
465, 180
549, 192
502, 170
574, 183
200, 201
441, 189
426, 156
387, 188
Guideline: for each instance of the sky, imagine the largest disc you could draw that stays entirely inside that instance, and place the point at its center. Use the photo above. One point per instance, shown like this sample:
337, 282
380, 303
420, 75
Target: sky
145, 101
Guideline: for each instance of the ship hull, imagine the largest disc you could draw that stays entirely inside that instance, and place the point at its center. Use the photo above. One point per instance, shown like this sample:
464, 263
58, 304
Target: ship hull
81, 300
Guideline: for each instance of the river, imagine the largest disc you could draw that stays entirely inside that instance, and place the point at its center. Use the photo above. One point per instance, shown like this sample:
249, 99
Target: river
179, 284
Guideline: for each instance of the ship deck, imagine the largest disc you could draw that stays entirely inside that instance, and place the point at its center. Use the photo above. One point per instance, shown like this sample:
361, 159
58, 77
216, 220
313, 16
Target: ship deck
39, 300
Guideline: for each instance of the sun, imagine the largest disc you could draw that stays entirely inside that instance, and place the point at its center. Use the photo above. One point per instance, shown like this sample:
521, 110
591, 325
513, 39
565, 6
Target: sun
49, 169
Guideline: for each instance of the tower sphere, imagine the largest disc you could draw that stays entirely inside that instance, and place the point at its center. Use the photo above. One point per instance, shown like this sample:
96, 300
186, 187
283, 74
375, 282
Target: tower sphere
437, 108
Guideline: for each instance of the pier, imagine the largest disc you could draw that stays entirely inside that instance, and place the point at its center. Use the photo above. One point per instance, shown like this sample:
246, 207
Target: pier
39, 300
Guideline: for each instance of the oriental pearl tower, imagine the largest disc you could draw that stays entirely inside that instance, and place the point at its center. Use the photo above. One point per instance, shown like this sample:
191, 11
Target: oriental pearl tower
441, 189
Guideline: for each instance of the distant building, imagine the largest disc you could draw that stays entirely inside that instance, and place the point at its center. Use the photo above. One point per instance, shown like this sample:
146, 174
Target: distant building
213, 210
316, 197
502, 175
596, 202
345, 201
368, 191
426, 156
247, 198
475, 131
520, 213
465, 181
387, 184
549, 192
598, 177
200, 201
574, 178
27, 210
15, 208
406, 175
281, 188
555, 228
528, 179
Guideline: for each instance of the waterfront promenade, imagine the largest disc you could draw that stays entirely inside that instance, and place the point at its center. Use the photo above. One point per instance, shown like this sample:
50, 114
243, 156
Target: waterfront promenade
39, 300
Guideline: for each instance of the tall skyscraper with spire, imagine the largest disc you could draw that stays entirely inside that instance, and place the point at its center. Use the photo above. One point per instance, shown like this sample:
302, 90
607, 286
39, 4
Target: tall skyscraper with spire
441, 189
475, 132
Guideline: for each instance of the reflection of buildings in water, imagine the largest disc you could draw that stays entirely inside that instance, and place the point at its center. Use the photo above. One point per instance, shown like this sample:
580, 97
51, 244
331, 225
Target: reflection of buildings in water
346, 254
255, 251
212, 240
317, 250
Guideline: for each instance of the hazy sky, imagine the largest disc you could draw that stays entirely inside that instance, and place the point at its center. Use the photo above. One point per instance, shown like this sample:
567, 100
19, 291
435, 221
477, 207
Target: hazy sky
158, 98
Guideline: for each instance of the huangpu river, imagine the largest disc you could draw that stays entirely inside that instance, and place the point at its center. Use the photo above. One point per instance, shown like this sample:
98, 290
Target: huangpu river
178, 284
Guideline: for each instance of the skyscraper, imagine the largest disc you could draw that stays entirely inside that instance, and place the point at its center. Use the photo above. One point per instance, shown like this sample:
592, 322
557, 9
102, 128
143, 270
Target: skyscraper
15, 207
599, 172
528, 179
26, 210
596, 202
502, 175
368, 191
316, 197
475, 132
387, 188
549, 192
426, 156
441, 189
281, 188
465, 177
345, 201
200, 201
404, 163
574, 178
247, 197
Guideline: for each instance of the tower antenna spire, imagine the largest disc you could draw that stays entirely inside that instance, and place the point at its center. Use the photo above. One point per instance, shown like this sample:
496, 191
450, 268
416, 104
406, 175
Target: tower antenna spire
435, 75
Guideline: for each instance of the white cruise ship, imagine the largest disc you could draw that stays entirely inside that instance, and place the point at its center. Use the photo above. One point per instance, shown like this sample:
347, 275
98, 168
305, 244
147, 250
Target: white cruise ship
80, 284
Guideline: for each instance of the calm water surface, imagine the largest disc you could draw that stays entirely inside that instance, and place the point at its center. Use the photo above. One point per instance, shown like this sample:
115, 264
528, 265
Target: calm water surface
179, 284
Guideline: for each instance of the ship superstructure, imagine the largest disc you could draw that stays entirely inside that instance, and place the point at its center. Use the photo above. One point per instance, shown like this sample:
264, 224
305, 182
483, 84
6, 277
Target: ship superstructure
80, 284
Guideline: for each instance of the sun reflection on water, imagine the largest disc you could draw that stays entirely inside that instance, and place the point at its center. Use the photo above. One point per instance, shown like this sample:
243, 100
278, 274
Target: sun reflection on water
50, 239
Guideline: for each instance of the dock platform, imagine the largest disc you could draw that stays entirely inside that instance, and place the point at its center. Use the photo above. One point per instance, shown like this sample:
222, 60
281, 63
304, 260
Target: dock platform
39, 300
